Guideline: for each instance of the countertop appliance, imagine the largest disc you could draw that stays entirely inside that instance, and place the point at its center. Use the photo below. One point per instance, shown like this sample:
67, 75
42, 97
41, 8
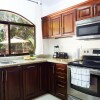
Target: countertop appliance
57, 54
92, 63
88, 28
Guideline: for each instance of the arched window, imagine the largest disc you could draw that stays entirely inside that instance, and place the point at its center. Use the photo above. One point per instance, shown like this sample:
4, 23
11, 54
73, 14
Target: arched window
17, 34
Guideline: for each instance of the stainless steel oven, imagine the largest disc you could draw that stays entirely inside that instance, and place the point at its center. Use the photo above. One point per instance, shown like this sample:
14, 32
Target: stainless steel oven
79, 93
90, 61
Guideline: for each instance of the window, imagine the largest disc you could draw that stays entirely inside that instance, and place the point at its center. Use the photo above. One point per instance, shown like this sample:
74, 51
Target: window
17, 35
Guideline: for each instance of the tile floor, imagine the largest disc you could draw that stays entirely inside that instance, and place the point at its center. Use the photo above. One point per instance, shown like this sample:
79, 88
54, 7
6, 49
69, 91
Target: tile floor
46, 97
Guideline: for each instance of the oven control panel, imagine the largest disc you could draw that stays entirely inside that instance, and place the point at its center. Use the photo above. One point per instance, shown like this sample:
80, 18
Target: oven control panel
91, 51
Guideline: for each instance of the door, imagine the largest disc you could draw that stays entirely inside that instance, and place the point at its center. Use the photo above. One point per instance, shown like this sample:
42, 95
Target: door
68, 22
13, 83
97, 9
30, 81
45, 27
51, 78
56, 25
86, 11
43, 78
1, 85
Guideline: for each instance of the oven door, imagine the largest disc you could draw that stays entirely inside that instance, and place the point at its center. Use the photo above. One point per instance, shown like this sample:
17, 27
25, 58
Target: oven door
80, 93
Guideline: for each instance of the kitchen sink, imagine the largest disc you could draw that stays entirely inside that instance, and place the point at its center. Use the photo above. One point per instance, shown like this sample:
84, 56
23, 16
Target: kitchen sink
7, 62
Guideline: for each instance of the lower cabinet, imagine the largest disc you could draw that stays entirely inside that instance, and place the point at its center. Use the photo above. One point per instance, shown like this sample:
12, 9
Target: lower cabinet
51, 78
1, 85
30, 81
61, 81
13, 83
57, 80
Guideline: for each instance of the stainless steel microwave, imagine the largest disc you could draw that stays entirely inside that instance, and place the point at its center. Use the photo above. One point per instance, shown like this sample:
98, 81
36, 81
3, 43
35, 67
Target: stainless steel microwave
88, 28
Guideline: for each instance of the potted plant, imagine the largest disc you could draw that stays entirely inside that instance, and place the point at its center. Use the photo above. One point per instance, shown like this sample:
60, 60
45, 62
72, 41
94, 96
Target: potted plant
31, 46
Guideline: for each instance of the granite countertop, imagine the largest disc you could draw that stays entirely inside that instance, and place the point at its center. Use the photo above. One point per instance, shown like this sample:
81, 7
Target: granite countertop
8, 62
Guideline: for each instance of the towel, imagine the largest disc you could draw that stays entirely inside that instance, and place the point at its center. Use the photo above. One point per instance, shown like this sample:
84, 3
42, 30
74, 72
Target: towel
80, 76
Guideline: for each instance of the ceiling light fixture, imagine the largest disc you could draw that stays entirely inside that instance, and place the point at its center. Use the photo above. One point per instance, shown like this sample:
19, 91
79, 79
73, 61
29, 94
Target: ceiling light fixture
33, 1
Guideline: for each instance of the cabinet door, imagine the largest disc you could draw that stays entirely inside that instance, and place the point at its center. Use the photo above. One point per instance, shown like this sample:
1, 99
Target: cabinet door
30, 81
56, 26
85, 12
51, 78
1, 86
97, 9
68, 22
43, 78
13, 83
46, 27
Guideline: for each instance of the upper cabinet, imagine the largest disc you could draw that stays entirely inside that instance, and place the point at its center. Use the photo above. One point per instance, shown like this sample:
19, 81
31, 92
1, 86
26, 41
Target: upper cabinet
84, 12
88, 10
68, 22
97, 9
62, 23
45, 27
59, 25
56, 26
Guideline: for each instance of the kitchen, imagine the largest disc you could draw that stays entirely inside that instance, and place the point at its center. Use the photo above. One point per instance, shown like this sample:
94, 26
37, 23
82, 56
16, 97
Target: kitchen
33, 12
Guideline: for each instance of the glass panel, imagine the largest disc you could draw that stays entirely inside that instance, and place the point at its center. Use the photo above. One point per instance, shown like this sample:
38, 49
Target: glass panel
4, 48
22, 39
12, 17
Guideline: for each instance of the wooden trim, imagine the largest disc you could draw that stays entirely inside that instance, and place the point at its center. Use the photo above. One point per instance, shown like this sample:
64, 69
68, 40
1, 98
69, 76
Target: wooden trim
69, 8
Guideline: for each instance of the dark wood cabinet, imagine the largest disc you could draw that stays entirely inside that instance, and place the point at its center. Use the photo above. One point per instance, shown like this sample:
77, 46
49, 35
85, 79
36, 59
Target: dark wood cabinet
61, 81
1, 85
30, 81
43, 78
57, 80
68, 23
86, 11
56, 26
13, 83
51, 78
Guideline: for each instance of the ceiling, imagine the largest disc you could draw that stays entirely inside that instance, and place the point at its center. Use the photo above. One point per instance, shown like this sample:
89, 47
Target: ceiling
45, 2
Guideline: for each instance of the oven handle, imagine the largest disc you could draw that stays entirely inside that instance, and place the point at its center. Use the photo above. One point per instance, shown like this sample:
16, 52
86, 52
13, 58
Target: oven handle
92, 71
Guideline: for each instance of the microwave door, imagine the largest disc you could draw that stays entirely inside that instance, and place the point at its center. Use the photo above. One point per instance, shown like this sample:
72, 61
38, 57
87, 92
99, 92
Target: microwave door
88, 31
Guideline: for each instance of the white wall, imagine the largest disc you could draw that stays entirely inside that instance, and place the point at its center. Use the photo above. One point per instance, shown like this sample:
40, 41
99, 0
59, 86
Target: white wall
29, 10
56, 5
70, 44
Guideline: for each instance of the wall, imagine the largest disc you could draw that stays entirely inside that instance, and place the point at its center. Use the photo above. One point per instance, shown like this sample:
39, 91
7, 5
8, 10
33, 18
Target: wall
29, 10
70, 44
56, 5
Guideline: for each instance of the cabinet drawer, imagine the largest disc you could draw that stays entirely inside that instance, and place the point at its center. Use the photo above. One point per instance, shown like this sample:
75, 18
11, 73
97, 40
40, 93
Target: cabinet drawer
61, 91
61, 77
61, 68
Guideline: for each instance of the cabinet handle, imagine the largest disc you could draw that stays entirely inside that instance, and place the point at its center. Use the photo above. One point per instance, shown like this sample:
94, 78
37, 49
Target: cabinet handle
6, 75
61, 94
61, 85
61, 69
30, 66
2, 75
61, 77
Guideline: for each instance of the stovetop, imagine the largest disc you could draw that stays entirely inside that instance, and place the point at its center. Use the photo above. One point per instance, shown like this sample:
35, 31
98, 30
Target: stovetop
88, 61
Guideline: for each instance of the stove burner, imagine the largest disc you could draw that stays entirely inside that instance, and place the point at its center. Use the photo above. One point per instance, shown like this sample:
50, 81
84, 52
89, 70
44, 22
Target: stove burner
88, 61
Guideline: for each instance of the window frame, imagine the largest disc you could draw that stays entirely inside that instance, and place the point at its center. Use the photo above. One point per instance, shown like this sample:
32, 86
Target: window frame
18, 24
